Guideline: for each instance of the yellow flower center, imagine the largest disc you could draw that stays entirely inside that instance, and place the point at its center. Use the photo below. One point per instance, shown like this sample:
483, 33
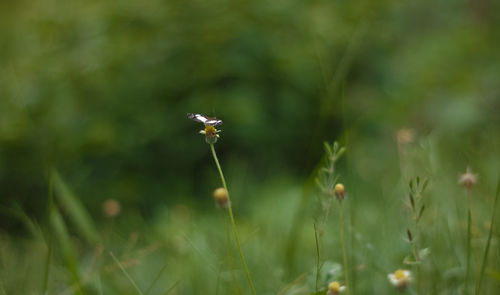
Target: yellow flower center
399, 274
210, 130
334, 286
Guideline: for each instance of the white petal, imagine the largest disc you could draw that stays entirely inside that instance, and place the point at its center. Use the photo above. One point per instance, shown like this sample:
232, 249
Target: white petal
392, 279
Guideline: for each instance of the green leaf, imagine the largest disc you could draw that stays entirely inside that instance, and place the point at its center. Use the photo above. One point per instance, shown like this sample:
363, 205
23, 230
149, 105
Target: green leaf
424, 186
335, 146
74, 209
68, 251
340, 153
328, 149
421, 212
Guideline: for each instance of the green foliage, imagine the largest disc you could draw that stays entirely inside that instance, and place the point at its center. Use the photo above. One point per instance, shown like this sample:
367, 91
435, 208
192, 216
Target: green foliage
74, 209
99, 90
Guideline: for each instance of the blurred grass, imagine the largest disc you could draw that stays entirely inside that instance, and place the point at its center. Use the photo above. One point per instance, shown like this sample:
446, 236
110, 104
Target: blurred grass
100, 90
74, 209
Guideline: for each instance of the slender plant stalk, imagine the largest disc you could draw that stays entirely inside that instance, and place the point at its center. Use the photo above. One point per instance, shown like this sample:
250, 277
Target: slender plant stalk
126, 274
230, 258
173, 287
416, 250
467, 269
318, 267
49, 244
488, 242
235, 232
158, 275
48, 258
469, 239
346, 270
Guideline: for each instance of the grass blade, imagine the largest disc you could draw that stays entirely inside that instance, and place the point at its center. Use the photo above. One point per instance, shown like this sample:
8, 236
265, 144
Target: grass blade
61, 232
18, 213
488, 243
318, 266
173, 287
156, 279
47, 266
49, 240
75, 209
125, 273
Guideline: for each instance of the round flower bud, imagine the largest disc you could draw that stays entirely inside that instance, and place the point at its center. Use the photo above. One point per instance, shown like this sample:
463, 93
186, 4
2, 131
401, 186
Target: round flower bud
221, 197
111, 208
339, 191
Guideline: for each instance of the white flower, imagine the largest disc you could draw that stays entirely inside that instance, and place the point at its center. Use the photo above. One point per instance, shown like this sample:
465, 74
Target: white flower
468, 179
400, 278
334, 288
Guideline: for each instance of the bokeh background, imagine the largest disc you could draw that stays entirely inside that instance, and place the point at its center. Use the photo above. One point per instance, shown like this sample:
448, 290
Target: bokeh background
99, 91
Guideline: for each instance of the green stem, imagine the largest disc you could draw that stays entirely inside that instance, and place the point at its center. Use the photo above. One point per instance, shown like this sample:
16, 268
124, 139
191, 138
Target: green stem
488, 242
467, 269
126, 273
235, 232
346, 270
318, 267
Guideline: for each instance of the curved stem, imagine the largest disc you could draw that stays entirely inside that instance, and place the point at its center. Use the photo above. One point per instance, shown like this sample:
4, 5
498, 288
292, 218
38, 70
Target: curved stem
235, 232
318, 266
346, 271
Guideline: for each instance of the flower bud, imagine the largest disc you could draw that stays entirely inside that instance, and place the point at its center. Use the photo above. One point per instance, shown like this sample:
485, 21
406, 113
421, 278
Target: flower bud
221, 197
111, 208
468, 179
339, 191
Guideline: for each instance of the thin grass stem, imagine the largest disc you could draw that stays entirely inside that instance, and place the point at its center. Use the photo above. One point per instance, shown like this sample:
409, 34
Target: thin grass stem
173, 287
318, 266
344, 255
230, 257
488, 243
49, 244
233, 223
126, 273
156, 279
467, 267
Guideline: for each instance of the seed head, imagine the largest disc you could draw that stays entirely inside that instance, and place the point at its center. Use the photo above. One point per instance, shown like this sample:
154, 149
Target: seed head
405, 135
468, 179
221, 197
339, 191
111, 208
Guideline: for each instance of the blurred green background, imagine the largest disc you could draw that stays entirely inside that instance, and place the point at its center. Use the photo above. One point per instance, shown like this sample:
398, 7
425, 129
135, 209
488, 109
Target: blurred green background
99, 91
